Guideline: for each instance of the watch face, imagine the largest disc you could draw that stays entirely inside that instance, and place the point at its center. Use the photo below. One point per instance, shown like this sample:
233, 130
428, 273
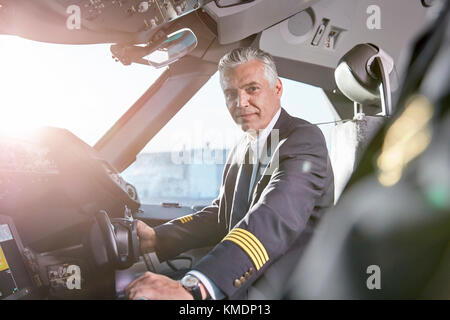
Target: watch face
189, 281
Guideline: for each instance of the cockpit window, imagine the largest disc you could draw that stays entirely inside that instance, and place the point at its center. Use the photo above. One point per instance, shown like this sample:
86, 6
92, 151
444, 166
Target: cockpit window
80, 88
83, 90
183, 163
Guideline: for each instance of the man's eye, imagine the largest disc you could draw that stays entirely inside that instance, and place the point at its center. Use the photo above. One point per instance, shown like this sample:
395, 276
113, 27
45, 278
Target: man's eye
251, 89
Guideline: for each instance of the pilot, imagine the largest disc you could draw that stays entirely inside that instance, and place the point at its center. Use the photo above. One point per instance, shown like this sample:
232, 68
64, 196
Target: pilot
276, 184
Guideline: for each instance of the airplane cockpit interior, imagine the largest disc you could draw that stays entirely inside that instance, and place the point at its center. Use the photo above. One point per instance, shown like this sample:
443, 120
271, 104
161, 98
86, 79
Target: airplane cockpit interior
69, 203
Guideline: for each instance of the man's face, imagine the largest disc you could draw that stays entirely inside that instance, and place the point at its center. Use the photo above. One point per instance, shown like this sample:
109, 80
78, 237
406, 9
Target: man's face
251, 100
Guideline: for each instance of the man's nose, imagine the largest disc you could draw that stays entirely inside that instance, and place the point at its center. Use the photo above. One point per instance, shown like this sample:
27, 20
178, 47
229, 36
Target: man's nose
243, 98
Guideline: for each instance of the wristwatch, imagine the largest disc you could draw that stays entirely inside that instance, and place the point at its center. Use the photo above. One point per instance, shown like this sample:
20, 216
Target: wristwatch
192, 284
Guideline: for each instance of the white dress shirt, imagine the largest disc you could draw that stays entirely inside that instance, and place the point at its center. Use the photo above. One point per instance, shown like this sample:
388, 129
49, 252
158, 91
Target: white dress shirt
257, 145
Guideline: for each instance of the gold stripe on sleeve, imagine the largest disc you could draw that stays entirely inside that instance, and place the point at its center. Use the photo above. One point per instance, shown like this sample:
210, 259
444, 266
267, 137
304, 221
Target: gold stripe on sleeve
185, 219
245, 248
254, 245
255, 257
256, 241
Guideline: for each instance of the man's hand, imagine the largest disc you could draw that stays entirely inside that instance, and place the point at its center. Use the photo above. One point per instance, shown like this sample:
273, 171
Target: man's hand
147, 237
156, 287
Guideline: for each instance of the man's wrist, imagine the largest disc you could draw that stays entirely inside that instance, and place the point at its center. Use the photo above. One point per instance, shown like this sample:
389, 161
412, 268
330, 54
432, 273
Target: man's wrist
194, 286
212, 291
203, 290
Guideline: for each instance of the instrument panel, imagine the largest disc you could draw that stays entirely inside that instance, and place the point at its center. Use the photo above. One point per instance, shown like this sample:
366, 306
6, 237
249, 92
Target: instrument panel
130, 15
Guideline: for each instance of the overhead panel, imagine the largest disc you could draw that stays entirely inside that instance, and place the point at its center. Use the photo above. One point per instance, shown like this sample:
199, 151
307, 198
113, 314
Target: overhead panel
91, 21
131, 15
319, 36
239, 22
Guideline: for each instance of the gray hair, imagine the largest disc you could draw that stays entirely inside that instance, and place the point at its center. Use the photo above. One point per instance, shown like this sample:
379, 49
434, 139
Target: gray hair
245, 54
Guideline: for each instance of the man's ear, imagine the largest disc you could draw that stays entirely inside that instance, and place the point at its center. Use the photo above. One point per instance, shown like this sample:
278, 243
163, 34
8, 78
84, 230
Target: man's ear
278, 88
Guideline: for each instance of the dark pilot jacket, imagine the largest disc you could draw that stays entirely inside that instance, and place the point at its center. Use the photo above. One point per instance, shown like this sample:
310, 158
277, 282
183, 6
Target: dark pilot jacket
294, 186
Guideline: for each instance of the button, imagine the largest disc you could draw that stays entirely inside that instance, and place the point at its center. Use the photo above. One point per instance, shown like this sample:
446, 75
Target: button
242, 279
251, 270
246, 275
237, 283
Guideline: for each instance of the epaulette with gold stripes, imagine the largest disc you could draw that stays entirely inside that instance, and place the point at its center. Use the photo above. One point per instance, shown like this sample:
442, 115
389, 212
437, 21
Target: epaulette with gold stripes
250, 244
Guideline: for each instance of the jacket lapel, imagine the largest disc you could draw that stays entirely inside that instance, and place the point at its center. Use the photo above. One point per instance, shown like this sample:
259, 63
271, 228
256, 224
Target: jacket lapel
277, 136
266, 164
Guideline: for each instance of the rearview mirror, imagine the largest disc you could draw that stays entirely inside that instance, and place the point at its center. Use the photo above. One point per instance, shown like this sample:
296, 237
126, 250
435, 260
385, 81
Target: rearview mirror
160, 53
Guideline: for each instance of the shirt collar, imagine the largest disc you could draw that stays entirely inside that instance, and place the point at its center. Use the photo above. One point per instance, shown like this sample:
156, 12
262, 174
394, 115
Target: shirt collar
257, 143
262, 135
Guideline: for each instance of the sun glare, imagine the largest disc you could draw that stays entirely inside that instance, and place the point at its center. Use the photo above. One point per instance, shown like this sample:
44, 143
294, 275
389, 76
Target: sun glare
79, 88
33, 91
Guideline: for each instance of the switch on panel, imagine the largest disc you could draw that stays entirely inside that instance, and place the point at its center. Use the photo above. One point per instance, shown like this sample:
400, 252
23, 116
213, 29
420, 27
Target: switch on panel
332, 37
319, 32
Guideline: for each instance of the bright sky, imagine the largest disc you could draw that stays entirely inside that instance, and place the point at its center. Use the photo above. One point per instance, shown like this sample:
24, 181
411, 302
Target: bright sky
80, 88
83, 89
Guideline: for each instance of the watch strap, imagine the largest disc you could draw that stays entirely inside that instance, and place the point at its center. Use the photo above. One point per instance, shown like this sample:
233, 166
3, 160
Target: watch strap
194, 290
196, 293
